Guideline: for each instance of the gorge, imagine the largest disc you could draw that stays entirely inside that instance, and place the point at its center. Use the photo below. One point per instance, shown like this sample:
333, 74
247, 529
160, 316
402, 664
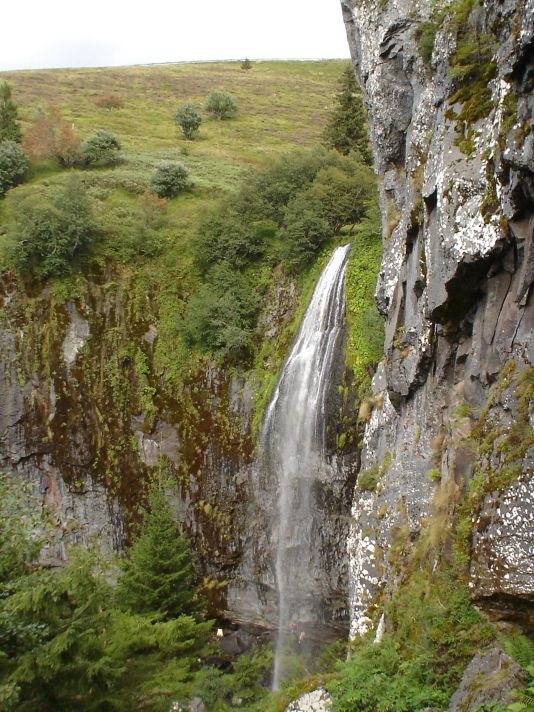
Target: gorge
327, 490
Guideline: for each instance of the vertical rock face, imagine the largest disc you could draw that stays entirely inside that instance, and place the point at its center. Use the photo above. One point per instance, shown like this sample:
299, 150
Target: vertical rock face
453, 396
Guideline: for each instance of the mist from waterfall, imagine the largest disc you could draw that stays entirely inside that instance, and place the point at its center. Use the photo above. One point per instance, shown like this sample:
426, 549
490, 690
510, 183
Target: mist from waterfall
293, 451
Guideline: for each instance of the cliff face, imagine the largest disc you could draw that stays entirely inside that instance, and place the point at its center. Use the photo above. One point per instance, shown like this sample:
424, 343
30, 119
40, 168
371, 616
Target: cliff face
454, 155
87, 416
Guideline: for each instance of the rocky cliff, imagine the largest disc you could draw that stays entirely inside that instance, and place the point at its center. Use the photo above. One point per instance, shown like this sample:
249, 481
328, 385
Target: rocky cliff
449, 96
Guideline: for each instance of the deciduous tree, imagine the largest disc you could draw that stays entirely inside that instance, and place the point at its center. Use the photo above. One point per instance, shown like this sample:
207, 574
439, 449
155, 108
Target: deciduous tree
221, 105
189, 120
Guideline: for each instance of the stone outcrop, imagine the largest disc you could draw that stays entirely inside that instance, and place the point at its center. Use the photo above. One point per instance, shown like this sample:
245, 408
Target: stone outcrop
489, 679
451, 396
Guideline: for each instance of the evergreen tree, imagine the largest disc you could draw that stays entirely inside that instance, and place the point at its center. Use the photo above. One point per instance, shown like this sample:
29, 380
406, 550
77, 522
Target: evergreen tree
346, 130
158, 575
9, 124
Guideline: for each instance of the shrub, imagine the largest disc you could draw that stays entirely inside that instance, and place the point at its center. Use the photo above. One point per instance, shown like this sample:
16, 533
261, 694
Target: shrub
101, 148
109, 101
426, 37
305, 229
51, 230
170, 179
13, 165
220, 317
246, 64
50, 136
188, 120
221, 105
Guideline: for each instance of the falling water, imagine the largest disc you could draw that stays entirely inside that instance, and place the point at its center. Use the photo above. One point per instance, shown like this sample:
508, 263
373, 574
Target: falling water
293, 449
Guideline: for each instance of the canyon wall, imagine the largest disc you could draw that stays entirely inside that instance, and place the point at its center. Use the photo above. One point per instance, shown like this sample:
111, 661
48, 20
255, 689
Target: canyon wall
452, 400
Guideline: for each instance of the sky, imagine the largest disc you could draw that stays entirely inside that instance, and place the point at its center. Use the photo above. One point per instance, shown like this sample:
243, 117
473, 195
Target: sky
81, 33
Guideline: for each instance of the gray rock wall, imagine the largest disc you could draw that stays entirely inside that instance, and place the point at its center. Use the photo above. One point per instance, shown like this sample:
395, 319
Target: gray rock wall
455, 289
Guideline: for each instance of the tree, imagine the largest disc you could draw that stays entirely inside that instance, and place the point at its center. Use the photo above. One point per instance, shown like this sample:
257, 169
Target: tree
221, 105
51, 136
158, 574
170, 179
188, 120
13, 165
305, 229
101, 148
346, 129
220, 317
64, 642
246, 64
9, 124
344, 194
51, 230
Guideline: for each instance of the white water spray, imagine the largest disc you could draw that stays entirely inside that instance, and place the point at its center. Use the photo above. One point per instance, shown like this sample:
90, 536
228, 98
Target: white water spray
293, 449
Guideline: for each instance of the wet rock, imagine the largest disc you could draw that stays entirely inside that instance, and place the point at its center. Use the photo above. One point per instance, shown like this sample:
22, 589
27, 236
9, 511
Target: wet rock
316, 701
489, 679
455, 287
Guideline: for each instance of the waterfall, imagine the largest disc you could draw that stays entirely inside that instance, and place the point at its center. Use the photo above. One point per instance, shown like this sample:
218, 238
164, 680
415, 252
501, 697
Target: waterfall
293, 451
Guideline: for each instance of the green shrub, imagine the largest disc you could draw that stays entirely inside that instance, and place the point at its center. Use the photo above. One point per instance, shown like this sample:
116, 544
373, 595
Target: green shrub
170, 179
426, 37
221, 105
220, 317
51, 230
13, 165
188, 120
368, 479
305, 230
102, 149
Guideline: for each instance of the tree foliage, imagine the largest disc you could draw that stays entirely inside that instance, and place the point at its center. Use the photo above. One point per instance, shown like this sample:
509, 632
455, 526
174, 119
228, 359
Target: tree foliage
69, 640
189, 120
170, 179
220, 317
51, 136
52, 229
102, 148
13, 165
9, 124
221, 105
158, 574
346, 129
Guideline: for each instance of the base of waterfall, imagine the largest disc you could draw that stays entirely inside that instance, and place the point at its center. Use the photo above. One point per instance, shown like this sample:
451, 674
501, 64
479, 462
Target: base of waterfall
316, 701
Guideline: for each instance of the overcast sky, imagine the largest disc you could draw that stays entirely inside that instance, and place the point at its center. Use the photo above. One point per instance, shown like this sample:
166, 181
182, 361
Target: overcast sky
79, 33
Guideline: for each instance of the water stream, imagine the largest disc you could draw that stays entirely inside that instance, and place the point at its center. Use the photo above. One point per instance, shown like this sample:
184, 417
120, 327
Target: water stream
293, 452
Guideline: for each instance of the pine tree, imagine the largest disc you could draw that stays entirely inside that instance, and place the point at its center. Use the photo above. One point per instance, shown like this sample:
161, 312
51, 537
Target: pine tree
346, 130
9, 124
158, 575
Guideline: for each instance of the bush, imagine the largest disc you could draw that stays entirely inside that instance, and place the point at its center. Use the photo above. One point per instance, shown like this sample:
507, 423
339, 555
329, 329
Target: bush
170, 179
221, 105
220, 317
51, 230
224, 237
305, 229
109, 101
50, 136
13, 165
188, 120
101, 148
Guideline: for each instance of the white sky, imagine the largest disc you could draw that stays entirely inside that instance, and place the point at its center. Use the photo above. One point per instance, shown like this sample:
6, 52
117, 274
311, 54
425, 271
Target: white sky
71, 33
